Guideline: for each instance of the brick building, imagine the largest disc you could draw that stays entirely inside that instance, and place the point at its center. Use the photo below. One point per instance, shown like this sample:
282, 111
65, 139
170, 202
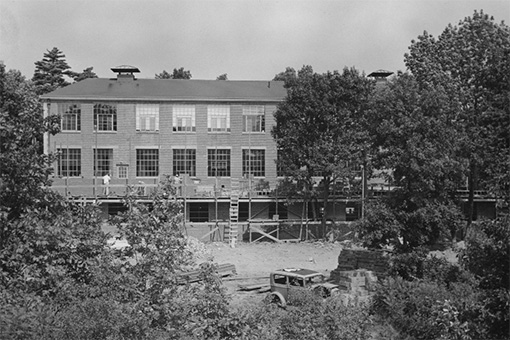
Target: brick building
211, 136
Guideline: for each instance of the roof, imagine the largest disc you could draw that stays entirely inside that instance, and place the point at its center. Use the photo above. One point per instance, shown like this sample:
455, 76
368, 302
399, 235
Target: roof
170, 90
380, 73
297, 272
125, 68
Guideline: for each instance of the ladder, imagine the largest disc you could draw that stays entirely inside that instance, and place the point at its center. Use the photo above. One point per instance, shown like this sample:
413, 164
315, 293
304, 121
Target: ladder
234, 212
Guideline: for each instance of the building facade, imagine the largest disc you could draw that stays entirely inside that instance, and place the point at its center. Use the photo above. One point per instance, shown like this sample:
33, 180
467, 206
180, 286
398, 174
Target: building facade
212, 138
207, 135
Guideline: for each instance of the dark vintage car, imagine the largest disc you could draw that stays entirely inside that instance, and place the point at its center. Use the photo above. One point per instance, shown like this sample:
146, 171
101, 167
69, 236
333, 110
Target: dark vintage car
284, 280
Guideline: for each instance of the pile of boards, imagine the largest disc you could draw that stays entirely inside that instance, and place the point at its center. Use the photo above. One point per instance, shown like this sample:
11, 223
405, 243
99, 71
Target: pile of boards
222, 270
258, 287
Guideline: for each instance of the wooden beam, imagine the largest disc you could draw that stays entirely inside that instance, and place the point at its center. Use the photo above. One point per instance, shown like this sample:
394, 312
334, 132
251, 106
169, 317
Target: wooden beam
264, 234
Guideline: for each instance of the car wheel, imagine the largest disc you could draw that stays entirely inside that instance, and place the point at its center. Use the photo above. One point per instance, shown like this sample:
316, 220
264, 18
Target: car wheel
321, 291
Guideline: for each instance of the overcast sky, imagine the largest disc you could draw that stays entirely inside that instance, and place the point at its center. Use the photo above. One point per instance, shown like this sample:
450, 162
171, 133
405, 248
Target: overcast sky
247, 39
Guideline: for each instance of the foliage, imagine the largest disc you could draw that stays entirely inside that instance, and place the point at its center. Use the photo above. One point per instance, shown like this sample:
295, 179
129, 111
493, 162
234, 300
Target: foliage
333, 104
416, 140
487, 255
25, 171
308, 316
289, 77
222, 77
417, 309
427, 297
379, 227
87, 73
176, 74
469, 63
50, 72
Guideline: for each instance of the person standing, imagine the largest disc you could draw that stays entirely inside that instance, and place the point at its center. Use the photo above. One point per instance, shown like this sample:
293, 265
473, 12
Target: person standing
106, 183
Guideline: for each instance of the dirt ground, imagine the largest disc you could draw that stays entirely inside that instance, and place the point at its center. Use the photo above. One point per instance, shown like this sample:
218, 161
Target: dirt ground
254, 262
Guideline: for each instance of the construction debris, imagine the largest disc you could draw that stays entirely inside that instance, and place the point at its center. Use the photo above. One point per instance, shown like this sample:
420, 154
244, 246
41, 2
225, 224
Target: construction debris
221, 270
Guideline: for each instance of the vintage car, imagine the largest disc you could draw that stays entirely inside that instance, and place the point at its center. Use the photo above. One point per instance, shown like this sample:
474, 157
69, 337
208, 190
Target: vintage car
284, 280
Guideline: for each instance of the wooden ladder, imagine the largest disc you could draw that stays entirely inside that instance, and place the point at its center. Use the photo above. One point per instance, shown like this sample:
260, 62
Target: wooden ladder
234, 212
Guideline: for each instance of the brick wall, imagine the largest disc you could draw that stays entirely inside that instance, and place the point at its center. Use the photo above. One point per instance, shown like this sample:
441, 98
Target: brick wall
126, 140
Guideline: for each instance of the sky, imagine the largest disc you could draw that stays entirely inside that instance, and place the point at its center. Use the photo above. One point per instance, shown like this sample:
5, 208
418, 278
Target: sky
247, 39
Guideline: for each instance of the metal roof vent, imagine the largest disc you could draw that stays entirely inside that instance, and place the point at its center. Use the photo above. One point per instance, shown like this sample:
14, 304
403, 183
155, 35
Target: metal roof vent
125, 71
380, 75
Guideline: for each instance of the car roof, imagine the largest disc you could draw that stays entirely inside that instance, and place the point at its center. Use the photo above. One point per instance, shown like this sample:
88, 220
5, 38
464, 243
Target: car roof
297, 272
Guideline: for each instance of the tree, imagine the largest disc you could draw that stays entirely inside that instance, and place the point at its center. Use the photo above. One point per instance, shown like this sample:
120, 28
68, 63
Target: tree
163, 75
50, 71
177, 74
487, 255
319, 128
470, 63
288, 76
222, 77
416, 139
25, 171
87, 73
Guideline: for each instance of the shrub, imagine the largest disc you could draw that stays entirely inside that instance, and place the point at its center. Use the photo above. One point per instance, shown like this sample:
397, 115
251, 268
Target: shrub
416, 308
308, 316
487, 255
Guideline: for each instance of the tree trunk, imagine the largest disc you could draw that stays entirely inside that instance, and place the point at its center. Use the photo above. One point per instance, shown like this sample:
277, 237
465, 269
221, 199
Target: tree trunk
471, 194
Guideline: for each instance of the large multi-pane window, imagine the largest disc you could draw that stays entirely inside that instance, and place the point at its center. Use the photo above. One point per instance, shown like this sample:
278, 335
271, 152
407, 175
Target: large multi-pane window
253, 118
70, 115
218, 118
218, 162
185, 161
103, 162
147, 162
69, 163
254, 162
183, 118
147, 117
105, 117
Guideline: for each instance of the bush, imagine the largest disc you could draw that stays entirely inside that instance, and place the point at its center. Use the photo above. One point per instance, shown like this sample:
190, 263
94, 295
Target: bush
417, 309
308, 316
487, 255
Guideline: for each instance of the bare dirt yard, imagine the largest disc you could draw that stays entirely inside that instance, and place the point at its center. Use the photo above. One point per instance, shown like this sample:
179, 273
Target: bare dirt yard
254, 262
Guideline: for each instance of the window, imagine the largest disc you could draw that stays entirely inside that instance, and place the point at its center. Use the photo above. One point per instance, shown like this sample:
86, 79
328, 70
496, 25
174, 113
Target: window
122, 171
147, 117
103, 162
218, 162
147, 162
105, 117
70, 117
183, 118
185, 161
218, 118
253, 118
254, 162
69, 163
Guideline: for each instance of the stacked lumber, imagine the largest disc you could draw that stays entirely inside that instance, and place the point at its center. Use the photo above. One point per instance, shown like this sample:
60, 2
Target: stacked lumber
221, 270
372, 260
259, 287
358, 282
